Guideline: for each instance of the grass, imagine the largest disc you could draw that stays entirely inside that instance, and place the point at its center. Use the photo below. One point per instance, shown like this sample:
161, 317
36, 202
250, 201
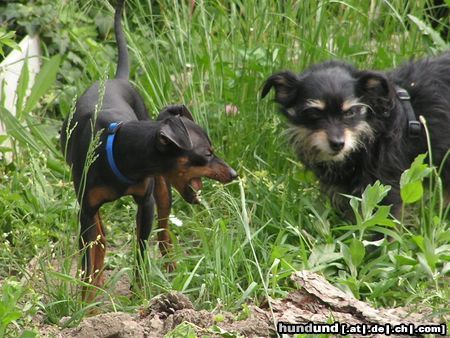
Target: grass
242, 244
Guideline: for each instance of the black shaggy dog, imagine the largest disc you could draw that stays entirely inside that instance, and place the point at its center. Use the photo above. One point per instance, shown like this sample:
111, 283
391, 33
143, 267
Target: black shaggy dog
352, 127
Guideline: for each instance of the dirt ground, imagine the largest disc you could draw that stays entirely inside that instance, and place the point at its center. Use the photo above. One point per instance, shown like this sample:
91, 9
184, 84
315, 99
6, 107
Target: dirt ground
173, 315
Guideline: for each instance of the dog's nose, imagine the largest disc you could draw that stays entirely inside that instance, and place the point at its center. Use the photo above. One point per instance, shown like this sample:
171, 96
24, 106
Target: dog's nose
336, 144
233, 174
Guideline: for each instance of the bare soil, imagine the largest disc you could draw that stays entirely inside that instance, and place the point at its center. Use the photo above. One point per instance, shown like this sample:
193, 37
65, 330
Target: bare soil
316, 301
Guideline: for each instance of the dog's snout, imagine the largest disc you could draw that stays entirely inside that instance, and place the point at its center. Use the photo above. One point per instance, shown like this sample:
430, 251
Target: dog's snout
233, 174
336, 143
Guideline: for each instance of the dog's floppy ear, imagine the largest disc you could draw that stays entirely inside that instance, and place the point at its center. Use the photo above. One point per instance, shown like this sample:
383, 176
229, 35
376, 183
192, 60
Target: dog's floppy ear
286, 87
376, 90
174, 131
175, 110
373, 84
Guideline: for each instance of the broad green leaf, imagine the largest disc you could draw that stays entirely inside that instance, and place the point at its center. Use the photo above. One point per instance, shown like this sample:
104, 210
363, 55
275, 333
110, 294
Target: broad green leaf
44, 80
411, 189
417, 172
372, 196
323, 253
357, 251
411, 192
425, 265
28, 334
184, 330
347, 254
427, 30
10, 316
380, 217
420, 242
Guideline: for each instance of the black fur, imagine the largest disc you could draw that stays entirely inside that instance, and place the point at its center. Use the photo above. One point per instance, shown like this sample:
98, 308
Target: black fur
376, 120
152, 155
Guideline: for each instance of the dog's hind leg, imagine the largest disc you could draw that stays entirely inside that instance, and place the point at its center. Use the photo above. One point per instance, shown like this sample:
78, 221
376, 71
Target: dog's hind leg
93, 245
163, 198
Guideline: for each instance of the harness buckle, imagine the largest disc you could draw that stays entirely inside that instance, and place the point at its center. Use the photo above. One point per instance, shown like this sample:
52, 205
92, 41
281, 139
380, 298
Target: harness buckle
414, 128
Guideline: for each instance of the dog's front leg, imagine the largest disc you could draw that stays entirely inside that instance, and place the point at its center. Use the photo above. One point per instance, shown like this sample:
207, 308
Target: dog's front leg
93, 246
163, 198
144, 220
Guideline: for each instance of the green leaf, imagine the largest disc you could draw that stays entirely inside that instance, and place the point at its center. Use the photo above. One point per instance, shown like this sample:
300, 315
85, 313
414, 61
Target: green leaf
411, 192
22, 87
357, 251
388, 232
411, 189
6, 38
405, 260
427, 30
10, 316
44, 80
28, 334
41, 135
380, 217
184, 330
420, 242
372, 196
322, 254
17, 131
346, 254
425, 265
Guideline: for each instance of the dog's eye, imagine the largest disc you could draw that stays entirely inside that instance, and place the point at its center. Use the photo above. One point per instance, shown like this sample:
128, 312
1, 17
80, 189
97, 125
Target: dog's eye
352, 112
209, 154
312, 114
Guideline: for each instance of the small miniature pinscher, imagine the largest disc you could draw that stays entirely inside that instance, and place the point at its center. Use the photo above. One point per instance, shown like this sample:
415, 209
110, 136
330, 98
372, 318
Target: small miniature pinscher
134, 156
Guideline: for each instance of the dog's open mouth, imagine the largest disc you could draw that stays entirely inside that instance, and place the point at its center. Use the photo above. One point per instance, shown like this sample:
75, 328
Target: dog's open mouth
193, 190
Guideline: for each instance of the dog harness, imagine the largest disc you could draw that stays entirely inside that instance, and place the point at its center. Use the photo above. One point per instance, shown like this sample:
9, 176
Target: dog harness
414, 126
112, 130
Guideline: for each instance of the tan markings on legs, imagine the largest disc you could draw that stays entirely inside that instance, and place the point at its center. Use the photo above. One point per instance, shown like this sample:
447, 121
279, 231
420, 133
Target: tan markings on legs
163, 205
100, 250
96, 251
99, 195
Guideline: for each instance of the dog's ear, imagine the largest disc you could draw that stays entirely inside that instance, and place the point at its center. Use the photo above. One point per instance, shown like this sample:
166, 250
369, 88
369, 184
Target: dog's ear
377, 91
175, 110
173, 131
373, 84
286, 87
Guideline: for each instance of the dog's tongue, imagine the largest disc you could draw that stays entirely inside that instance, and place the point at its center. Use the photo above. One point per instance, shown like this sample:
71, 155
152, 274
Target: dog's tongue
196, 184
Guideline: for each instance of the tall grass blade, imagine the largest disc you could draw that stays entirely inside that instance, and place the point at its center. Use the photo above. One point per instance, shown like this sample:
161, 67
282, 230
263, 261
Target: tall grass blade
43, 82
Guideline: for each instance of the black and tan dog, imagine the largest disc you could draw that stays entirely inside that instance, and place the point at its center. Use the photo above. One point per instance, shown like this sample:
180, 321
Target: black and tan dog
353, 127
134, 156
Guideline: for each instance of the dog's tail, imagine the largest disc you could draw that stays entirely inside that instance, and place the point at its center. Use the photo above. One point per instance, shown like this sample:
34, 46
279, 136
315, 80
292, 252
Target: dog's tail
123, 68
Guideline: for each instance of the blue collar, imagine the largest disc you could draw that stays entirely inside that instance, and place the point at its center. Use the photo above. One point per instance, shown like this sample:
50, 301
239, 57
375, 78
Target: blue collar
112, 129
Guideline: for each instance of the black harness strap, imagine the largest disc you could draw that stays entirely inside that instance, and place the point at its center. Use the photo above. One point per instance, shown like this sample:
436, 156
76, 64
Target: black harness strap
414, 126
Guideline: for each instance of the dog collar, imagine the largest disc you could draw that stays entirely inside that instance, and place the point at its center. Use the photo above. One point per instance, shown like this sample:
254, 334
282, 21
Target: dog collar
112, 130
414, 126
